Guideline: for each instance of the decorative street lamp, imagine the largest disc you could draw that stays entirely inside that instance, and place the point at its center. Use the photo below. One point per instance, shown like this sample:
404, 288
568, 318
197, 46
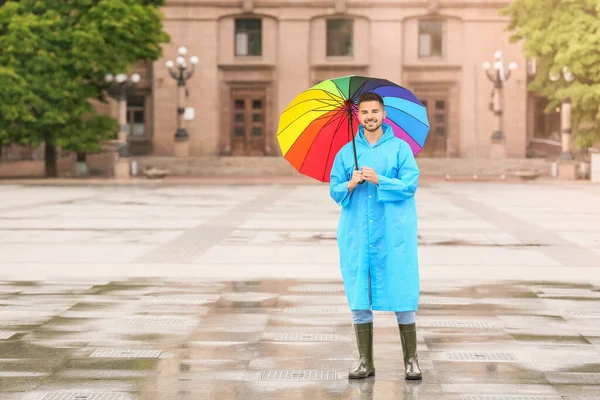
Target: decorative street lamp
498, 76
565, 115
181, 73
120, 86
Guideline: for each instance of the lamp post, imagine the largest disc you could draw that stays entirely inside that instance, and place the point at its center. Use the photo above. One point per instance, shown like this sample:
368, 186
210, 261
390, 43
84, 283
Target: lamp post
120, 86
498, 76
181, 73
565, 115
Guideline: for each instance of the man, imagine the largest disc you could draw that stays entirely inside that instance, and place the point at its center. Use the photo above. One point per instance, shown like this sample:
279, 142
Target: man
377, 233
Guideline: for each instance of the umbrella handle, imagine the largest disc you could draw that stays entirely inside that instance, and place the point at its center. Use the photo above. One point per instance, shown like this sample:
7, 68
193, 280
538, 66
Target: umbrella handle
362, 180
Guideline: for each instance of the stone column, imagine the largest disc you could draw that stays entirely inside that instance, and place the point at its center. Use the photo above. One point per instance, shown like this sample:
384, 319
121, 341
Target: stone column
182, 139
498, 149
567, 166
565, 130
122, 162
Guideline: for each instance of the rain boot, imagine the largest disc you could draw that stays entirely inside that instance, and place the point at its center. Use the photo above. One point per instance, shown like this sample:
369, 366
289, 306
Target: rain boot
408, 335
364, 339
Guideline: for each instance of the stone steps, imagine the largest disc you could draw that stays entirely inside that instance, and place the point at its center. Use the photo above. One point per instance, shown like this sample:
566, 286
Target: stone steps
277, 166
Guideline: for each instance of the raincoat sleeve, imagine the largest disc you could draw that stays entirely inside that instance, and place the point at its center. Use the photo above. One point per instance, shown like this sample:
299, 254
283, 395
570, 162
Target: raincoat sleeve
338, 182
405, 185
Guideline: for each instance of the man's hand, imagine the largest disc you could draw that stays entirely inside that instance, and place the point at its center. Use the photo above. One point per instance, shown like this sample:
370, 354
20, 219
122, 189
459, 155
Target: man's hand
369, 175
355, 180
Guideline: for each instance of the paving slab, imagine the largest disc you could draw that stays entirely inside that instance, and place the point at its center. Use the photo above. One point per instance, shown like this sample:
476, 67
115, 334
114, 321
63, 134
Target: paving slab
234, 292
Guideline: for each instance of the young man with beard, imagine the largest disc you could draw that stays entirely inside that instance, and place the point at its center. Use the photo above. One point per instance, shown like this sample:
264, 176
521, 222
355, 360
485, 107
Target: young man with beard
377, 232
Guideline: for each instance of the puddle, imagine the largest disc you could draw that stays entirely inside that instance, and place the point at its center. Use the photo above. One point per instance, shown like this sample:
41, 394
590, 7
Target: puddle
460, 242
139, 364
555, 339
20, 349
422, 242
119, 287
232, 335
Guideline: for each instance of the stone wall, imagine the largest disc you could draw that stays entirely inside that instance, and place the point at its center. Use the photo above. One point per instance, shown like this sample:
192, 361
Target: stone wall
99, 165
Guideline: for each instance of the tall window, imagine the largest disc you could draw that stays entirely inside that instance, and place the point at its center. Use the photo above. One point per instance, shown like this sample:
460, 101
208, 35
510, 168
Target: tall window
136, 116
339, 37
248, 37
547, 125
431, 38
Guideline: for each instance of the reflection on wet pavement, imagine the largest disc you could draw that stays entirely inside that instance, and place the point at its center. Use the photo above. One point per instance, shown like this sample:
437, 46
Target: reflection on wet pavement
288, 339
84, 314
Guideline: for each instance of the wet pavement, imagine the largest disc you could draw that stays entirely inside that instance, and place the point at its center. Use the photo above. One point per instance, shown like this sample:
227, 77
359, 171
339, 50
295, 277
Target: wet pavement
291, 339
234, 293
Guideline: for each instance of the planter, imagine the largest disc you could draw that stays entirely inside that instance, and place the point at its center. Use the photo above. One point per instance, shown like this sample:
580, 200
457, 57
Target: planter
528, 175
595, 167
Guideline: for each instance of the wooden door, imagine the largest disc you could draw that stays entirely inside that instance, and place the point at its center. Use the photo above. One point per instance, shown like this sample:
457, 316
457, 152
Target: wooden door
437, 113
248, 128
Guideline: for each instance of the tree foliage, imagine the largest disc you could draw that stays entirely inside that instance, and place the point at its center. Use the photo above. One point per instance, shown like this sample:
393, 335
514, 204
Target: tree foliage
54, 55
558, 34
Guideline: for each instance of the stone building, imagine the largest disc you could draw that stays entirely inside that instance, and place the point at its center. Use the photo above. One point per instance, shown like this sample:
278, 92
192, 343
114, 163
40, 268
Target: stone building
255, 56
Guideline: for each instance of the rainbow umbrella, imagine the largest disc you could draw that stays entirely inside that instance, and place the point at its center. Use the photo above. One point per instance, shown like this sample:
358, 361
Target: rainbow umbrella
322, 119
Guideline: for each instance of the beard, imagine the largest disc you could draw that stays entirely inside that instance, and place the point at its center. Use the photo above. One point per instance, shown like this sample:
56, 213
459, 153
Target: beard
374, 125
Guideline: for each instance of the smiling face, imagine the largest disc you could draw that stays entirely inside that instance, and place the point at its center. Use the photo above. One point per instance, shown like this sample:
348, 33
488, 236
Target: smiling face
371, 114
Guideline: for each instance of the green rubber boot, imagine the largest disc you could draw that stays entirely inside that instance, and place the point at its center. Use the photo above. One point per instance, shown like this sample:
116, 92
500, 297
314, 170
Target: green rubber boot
408, 335
364, 339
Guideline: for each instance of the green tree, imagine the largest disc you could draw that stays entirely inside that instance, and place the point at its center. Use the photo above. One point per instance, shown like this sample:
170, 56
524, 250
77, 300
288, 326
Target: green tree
54, 56
563, 33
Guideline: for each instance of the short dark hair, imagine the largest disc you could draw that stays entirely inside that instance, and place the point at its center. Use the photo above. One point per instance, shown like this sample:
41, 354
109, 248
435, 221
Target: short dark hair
370, 96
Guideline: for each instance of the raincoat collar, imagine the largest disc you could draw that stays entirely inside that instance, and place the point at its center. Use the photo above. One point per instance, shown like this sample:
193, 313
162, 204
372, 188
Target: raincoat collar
388, 133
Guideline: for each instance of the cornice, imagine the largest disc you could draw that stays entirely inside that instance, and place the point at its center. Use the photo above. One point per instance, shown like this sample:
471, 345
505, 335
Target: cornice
430, 67
338, 65
246, 66
338, 5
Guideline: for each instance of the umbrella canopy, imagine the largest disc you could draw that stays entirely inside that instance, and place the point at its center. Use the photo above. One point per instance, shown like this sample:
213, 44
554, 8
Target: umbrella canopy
322, 119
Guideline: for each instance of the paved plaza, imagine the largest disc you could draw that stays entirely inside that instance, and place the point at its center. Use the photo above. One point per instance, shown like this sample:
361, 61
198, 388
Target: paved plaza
191, 292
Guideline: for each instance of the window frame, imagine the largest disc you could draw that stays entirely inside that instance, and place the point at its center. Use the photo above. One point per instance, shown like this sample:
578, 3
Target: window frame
130, 116
352, 28
443, 32
247, 31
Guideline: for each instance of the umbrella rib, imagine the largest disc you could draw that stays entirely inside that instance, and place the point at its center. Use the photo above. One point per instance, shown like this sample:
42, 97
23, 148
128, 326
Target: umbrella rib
339, 103
412, 116
300, 116
322, 101
360, 87
334, 118
340, 96
339, 89
393, 85
331, 119
331, 145
331, 93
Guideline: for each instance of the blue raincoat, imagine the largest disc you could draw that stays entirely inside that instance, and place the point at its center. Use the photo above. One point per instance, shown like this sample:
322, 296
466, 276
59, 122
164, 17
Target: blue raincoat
377, 230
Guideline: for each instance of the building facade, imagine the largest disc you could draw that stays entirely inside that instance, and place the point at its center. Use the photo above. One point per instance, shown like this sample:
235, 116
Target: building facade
256, 56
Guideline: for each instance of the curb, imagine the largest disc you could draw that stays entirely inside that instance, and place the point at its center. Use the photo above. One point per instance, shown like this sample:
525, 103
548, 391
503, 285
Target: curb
256, 180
